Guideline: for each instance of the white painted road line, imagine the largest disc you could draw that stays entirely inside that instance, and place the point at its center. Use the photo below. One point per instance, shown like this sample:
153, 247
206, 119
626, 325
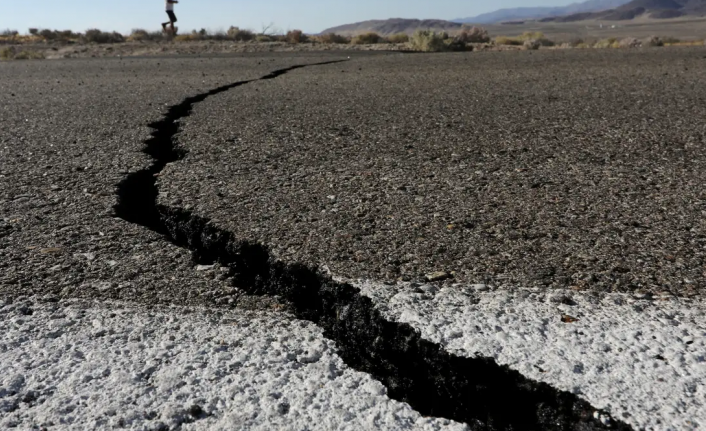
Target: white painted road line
79, 366
644, 361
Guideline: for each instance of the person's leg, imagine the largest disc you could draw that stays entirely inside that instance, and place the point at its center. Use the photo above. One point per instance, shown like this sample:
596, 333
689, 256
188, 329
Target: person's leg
172, 19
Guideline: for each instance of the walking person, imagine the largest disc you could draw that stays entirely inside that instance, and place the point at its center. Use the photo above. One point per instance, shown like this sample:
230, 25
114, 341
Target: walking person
170, 12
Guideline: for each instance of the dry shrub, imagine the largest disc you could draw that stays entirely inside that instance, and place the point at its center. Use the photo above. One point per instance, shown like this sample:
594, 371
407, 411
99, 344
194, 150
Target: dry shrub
11, 54
428, 41
296, 36
504, 40
575, 42
473, 35
332, 38
531, 44
7, 53
263, 38
653, 41
141, 35
398, 38
9, 33
367, 39
629, 42
96, 36
236, 33
29, 55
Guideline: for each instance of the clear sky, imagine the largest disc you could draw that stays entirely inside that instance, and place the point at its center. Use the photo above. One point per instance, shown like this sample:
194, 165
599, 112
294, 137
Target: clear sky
312, 16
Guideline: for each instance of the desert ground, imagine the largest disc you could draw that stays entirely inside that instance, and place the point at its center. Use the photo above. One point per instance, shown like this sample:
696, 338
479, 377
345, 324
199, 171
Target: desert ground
354, 240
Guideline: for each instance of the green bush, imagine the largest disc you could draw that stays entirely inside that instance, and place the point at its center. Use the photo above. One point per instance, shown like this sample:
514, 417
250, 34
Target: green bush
367, 39
428, 41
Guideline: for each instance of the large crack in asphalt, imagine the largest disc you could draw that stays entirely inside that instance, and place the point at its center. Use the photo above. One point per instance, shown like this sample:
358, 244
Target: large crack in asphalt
476, 391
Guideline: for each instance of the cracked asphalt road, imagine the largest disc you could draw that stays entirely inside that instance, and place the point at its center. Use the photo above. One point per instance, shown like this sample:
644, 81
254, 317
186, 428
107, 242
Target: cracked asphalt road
69, 132
560, 169
550, 169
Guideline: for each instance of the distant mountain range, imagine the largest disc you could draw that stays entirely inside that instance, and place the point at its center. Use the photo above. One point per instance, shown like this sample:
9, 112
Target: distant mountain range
655, 9
526, 13
393, 26
607, 10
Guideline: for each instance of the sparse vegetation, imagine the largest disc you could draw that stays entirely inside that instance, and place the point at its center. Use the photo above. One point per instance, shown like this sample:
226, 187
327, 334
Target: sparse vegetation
11, 53
428, 41
367, 39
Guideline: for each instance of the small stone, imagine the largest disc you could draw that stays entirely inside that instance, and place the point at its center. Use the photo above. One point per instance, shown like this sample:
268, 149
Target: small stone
205, 267
480, 287
438, 276
50, 250
428, 289
196, 411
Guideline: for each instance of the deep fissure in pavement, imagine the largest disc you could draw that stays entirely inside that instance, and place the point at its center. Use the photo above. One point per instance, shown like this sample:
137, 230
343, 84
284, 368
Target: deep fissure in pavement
476, 391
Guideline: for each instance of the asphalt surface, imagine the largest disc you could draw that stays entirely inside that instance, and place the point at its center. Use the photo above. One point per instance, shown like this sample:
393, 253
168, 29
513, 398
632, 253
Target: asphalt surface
579, 170
562, 169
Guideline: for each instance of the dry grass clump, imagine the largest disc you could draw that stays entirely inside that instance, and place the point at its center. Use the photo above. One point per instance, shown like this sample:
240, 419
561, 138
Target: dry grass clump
428, 41
510, 41
12, 54
332, 38
367, 39
296, 36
